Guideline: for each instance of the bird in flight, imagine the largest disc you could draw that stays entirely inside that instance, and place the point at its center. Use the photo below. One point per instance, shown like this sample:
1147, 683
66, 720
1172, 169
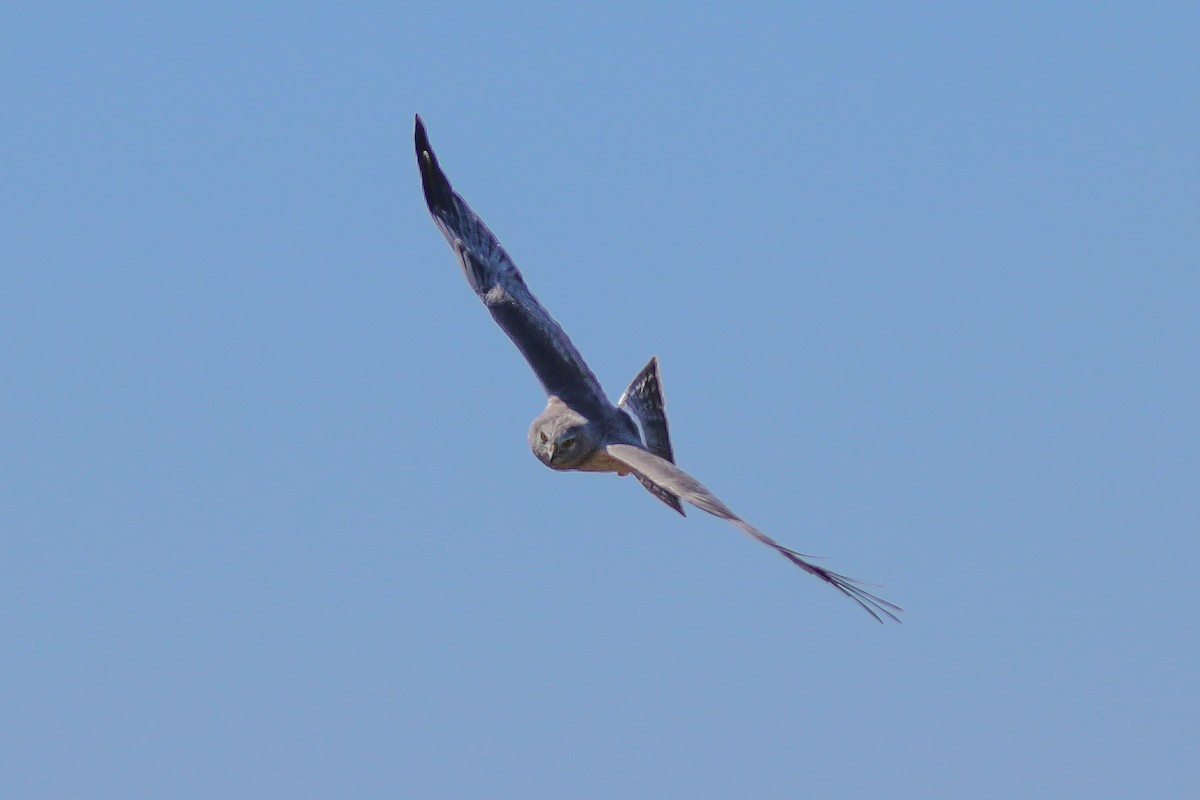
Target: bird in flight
580, 428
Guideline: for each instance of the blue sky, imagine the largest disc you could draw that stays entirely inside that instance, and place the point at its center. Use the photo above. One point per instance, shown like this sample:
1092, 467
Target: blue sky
924, 287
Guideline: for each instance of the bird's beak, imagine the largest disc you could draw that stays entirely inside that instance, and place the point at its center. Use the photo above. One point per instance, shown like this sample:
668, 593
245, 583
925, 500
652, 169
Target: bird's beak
552, 452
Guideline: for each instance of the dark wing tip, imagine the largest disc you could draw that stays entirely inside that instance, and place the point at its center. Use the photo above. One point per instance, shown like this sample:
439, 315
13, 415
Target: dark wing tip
438, 194
420, 137
848, 586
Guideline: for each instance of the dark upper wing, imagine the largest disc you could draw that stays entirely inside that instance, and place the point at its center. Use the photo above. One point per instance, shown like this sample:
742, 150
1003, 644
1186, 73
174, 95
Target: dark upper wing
643, 400
679, 482
494, 277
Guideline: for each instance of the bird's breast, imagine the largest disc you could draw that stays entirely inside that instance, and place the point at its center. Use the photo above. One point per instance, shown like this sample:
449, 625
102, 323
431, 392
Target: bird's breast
601, 461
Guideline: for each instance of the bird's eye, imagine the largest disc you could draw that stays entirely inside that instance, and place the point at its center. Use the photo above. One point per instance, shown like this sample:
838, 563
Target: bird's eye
567, 443
544, 438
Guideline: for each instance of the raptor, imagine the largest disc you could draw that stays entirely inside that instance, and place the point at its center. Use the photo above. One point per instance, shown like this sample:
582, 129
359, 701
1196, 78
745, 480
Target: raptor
580, 428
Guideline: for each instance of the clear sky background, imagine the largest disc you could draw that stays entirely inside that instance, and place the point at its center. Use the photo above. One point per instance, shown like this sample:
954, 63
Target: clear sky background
925, 288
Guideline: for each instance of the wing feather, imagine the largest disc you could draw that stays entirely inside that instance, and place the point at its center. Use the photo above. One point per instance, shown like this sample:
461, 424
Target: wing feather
495, 278
643, 401
675, 480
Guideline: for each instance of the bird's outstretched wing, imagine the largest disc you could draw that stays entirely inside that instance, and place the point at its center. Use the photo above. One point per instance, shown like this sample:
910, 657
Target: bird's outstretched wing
494, 277
675, 480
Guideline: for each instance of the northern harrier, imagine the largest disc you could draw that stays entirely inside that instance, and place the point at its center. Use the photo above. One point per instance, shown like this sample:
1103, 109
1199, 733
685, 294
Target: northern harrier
580, 429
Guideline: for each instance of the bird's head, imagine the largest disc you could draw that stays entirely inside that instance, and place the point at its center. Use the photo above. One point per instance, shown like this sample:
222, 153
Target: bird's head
561, 438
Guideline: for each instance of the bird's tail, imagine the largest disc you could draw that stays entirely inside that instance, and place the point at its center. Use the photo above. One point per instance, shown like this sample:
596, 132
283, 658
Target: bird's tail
643, 400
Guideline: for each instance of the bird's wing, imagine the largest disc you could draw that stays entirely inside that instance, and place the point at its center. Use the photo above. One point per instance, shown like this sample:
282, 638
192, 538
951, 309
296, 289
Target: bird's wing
494, 277
675, 480
643, 401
